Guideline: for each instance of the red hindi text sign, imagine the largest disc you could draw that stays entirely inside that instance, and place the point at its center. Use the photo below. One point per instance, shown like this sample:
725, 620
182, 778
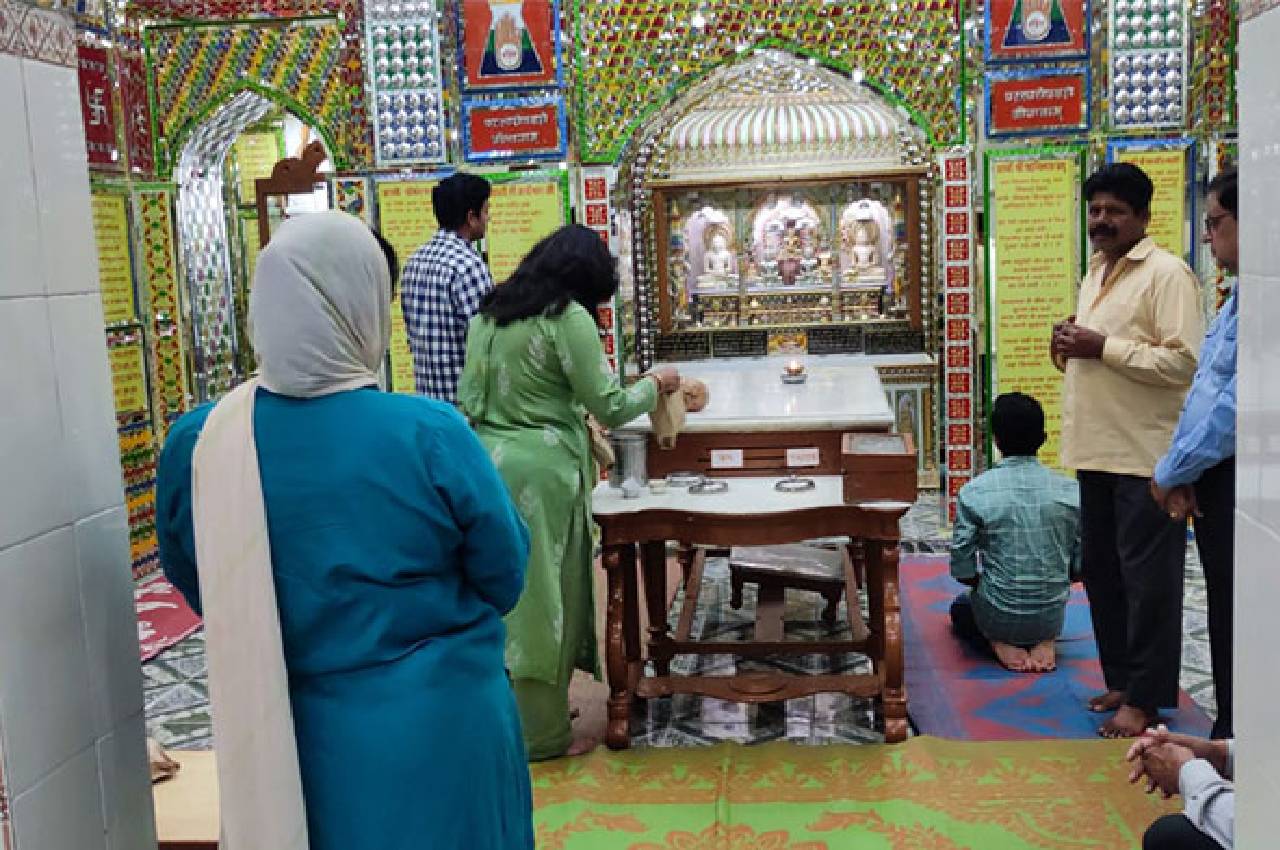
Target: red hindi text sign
514, 130
1039, 103
95, 106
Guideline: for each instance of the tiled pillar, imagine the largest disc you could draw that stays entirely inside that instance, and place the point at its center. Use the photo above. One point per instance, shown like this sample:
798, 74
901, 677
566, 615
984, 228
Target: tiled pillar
1257, 687
73, 770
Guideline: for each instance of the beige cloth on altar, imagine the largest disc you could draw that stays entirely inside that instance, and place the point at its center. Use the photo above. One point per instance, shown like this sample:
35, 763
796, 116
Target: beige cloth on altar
668, 418
320, 321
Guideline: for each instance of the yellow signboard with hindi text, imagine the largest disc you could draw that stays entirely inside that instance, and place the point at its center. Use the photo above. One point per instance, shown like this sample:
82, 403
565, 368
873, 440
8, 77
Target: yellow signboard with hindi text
407, 220
1033, 252
115, 269
1166, 163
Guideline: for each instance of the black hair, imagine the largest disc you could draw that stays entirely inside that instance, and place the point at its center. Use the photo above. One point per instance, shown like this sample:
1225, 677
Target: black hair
1017, 424
1126, 181
457, 195
393, 260
1224, 188
572, 264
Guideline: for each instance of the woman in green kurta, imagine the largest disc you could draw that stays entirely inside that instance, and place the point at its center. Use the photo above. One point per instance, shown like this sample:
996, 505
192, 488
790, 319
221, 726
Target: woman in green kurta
534, 369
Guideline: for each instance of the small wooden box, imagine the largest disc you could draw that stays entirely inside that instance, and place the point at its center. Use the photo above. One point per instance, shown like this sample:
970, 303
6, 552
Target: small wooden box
878, 467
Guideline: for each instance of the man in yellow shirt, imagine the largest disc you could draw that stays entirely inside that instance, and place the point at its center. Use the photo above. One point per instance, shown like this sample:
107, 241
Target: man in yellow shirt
1128, 356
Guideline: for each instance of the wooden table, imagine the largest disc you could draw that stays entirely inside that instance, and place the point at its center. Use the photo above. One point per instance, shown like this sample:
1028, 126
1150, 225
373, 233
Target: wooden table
750, 513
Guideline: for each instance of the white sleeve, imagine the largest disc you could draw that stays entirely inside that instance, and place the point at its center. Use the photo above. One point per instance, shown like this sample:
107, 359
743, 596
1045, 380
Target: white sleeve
1210, 801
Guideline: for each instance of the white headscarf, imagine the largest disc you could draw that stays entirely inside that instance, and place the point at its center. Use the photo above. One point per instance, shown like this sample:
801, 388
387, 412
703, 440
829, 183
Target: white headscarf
319, 312
320, 320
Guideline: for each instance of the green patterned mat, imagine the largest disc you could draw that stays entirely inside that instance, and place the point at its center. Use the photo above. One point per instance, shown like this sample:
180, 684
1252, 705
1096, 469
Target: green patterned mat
925, 793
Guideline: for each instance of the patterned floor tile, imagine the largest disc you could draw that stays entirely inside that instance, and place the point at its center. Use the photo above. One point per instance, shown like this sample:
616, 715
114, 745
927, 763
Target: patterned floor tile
177, 695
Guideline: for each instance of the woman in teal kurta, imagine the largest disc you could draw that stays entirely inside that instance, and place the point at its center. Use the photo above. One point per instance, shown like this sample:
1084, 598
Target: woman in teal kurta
395, 551
534, 369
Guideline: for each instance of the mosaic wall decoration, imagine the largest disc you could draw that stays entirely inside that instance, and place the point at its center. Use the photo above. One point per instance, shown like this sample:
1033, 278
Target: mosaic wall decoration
158, 280
40, 34
633, 55
404, 76
206, 253
351, 195
138, 459
1213, 104
194, 69
961, 394
1148, 67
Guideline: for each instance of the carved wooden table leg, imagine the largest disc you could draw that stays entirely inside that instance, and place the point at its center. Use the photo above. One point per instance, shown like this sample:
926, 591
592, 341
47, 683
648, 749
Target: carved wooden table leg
619, 561
883, 562
653, 555
684, 557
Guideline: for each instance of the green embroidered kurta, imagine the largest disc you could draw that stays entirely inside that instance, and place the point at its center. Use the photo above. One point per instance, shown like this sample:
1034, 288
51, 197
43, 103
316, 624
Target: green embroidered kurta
527, 388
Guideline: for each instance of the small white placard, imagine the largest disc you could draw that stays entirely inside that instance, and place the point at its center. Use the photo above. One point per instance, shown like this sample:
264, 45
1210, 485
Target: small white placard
726, 458
802, 457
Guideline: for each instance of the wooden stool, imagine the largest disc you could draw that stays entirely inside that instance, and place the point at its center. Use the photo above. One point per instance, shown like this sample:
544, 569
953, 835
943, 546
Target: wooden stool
775, 568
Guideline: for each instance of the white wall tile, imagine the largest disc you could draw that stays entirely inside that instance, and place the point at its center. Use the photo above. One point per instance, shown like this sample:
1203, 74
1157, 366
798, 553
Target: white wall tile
20, 272
1258, 519
33, 498
43, 664
1257, 784
126, 787
62, 179
64, 811
88, 410
110, 622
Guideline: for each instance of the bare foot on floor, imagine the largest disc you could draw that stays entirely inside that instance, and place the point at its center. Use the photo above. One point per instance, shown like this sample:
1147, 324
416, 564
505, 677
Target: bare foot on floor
1129, 722
1043, 657
1109, 701
581, 746
1013, 657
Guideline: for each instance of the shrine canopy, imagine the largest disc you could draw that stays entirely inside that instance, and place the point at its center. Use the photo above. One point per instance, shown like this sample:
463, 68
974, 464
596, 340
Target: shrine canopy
775, 114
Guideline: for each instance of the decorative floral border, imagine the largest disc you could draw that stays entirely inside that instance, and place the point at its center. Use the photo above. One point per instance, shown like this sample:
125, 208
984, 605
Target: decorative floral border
30, 32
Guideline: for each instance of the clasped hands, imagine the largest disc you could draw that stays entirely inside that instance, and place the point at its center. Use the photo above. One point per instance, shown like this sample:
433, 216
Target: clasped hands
1157, 757
1072, 340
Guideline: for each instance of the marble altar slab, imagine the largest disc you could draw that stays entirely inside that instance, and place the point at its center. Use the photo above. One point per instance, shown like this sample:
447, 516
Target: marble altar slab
842, 392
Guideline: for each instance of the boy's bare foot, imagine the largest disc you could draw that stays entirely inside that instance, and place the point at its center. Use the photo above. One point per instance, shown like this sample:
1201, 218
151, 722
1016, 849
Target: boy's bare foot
581, 746
1129, 722
1013, 657
1043, 657
1109, 701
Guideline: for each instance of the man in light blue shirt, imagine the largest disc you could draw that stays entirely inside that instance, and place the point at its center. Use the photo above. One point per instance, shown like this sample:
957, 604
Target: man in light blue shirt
1197, 475
1017, 544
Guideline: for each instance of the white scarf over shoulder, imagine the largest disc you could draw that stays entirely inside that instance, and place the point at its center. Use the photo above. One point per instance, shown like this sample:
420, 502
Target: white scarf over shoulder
320, 320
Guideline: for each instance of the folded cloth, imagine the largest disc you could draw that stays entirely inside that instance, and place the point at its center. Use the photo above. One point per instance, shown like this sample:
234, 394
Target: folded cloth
601, 450
668, 417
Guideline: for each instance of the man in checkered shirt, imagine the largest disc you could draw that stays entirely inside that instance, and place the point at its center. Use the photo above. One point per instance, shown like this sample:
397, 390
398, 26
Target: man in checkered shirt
443, 284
